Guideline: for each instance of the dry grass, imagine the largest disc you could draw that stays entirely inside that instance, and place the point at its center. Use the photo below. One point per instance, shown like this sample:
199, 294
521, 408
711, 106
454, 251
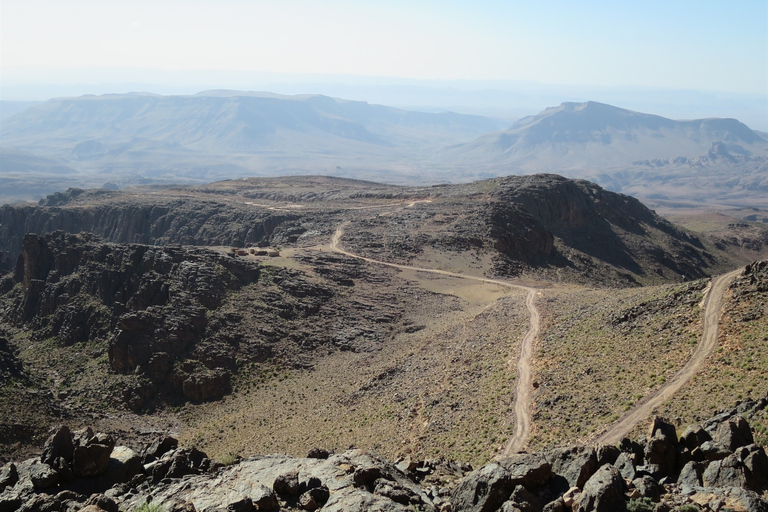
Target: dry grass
445, 390
593, 364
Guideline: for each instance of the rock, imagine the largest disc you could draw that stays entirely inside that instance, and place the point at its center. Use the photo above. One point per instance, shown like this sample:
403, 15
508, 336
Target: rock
489, 487
124, 464
694, 436
661, 449
365, 477
314, 498
692, 473
394, 492
91, 459
158, 448
9, 475
607, 454
287, 484
713, 451
648, 487
41, 503
58, 444
556, 506
603, 492
317, 453
624, 463
102, 502
264, 498
523, 501
733, 433
571, 467
747, 468
571, 496
42, 475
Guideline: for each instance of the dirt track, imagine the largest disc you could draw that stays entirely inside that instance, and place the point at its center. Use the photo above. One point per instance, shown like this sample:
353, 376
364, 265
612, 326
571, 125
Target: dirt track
711, 323
524, 377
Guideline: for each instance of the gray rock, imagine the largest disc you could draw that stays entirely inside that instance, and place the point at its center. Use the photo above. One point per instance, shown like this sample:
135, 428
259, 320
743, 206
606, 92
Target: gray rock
626, 466
523, 500
314, 498
571, 467
648, 488
661, 449
604, 492
692, 473
733, 433
693, 436
42, 475
9, 475
747, 468
489, 487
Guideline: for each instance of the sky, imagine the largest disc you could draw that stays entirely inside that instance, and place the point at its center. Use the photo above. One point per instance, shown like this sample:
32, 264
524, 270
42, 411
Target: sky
698, 44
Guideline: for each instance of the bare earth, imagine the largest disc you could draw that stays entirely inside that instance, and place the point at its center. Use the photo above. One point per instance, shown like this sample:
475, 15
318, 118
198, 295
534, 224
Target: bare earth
524, 377
711, 322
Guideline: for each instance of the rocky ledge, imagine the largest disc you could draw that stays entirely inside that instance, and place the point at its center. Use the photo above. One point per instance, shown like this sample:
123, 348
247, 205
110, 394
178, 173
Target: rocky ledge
712, 466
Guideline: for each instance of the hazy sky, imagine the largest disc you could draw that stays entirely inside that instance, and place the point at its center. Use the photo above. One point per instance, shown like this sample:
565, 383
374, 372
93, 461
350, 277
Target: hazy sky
696, 44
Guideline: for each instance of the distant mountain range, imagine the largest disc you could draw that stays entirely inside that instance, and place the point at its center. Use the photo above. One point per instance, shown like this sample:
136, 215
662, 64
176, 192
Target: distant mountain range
146, 138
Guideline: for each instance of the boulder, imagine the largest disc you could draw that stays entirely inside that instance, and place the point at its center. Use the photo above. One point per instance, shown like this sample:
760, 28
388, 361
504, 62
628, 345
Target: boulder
747, 468
42, 475
626, 466
571, 467
661, 449
522, 500
58, 444
124, 464
314, 498
9, 475
692, 473
158, 448
603, 492
694, 436
487, 488
287, 484
733, 433
648, 487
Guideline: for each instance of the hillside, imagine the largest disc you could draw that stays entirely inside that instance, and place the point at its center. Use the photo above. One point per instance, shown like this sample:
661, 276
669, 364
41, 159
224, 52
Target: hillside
426, 324
156, 312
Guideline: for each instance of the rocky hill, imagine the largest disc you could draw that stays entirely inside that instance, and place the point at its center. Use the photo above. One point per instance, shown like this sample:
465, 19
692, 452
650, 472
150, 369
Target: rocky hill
711, 466
545, 222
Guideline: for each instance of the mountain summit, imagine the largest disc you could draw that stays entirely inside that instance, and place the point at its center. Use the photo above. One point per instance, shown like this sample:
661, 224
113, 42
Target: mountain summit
591, 134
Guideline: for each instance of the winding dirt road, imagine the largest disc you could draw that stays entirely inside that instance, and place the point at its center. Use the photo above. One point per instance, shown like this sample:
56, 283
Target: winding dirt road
524, 376
713, 303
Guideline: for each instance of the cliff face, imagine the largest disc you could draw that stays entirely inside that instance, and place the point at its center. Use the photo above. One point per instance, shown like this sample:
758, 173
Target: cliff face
154, 309
160, 222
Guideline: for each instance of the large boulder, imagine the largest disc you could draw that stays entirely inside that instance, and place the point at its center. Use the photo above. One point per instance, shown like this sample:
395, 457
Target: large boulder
733, 433
91, 453
58, 444
747, 468
661, 449
571, 467
486, 489
603, 492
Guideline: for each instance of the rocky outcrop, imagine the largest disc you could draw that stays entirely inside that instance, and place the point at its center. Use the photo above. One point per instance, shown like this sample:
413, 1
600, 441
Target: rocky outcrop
562, 480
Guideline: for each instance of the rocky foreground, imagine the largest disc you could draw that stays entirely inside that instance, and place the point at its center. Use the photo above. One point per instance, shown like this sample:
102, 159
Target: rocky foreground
712, 466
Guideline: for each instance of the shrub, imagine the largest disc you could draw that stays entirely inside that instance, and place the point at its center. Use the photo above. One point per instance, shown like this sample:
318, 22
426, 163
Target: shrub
640, 505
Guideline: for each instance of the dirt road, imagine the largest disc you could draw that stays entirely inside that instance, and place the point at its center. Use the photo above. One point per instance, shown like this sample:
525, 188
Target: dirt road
711, 322
524, 377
